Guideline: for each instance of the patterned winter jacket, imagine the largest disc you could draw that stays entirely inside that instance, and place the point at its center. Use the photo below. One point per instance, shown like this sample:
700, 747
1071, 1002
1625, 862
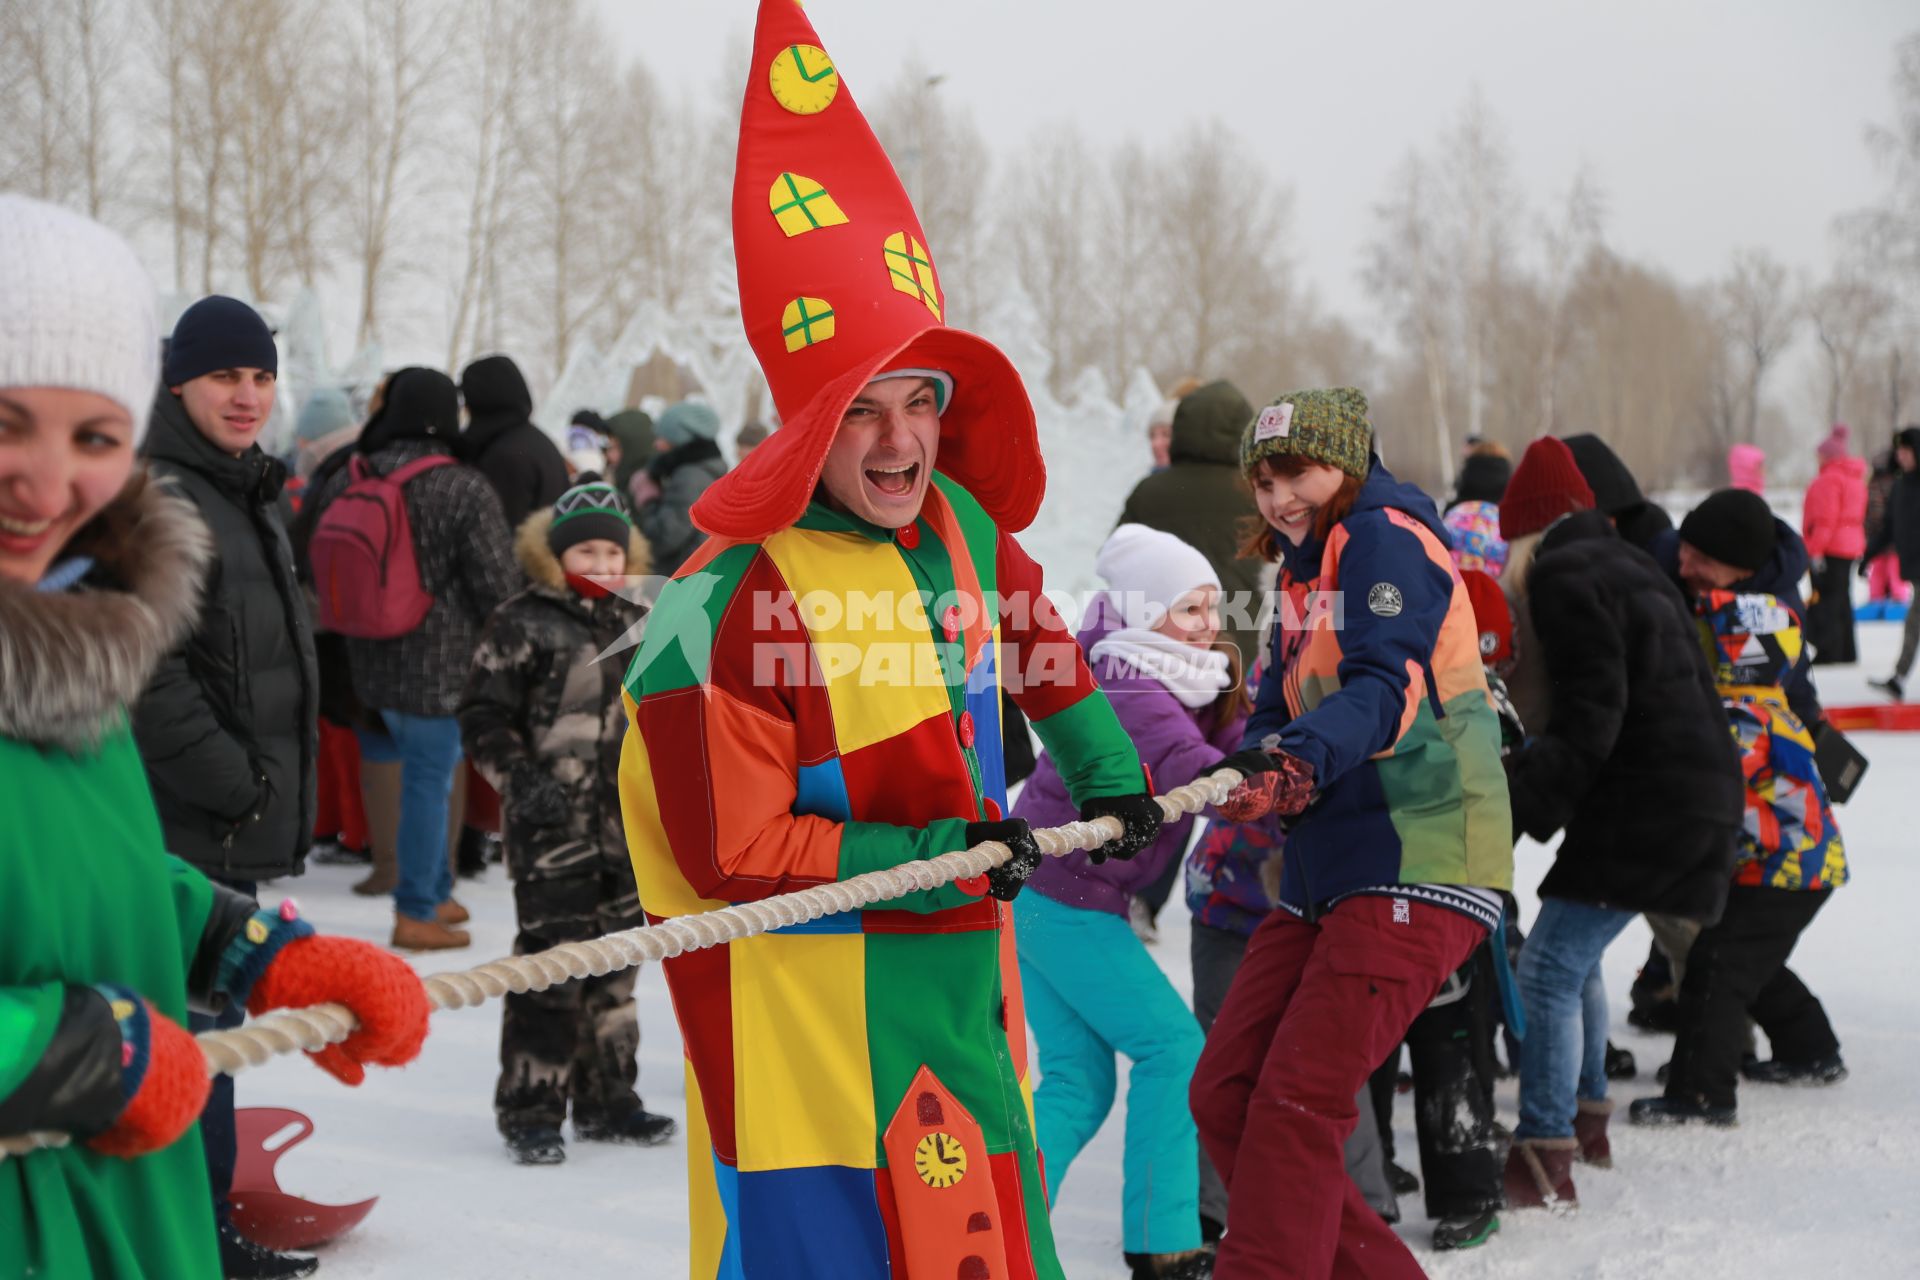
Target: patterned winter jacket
544, 691
1789, 839
465, 552
1231, 872
803, 713
1474, 530
1386, 699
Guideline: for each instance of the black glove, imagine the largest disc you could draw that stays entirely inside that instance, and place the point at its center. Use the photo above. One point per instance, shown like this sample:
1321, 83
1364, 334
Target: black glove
1140, 820
536, 797
1004, 881
1251, 761
1864, 569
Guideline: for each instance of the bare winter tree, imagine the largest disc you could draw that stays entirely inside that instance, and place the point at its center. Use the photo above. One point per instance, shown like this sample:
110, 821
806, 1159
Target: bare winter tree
1567, 241
490, 76
1758, 317
1405, 271
1050, 192
57, 85
948, 172
396, 62
1474, 170
1848, 312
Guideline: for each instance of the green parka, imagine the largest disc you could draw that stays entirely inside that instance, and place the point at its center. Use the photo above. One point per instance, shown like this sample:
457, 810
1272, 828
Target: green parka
1201, 499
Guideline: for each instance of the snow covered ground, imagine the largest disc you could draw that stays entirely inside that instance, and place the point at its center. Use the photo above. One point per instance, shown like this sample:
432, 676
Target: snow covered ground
1811, 1183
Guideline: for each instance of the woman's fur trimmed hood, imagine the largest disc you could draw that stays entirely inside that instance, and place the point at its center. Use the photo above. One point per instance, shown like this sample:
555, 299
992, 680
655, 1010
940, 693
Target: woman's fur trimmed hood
537, 558
71, 662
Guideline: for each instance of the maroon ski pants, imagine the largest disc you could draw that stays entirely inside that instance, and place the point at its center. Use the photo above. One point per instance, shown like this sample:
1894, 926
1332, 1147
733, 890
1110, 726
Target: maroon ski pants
1313, 1010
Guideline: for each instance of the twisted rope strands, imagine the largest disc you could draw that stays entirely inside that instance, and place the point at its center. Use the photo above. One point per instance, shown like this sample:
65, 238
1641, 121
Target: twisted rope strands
288, 1031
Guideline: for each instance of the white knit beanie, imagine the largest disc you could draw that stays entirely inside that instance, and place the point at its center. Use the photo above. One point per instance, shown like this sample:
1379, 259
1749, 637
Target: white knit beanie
1148, 570
77, 310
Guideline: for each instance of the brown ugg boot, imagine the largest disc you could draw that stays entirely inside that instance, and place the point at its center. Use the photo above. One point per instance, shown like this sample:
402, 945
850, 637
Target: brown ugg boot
380, 792
1539, 1174
1590, 1131
451, 912
427, 935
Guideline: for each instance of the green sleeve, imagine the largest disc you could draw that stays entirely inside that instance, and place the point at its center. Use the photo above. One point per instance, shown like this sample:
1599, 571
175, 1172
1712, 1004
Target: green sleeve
875, 846
28, 1018
192, 904
1093, 753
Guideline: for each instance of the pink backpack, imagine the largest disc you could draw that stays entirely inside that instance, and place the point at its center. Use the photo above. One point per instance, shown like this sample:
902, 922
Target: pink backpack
365, 570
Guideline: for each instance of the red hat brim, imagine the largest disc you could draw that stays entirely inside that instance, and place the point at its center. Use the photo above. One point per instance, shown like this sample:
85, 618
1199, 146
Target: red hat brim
989, 441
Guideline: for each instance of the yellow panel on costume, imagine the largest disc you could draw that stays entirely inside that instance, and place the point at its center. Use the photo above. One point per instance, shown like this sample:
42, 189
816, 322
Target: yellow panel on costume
880, 668
799, 205
806, 321
706, 1217
910, 269
664, 891
803, 1087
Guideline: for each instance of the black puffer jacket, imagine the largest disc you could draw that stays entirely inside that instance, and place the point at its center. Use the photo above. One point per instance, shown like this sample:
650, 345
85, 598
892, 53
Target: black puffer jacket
519, 460
541, 703
227, 725
1635, 763
1899, 532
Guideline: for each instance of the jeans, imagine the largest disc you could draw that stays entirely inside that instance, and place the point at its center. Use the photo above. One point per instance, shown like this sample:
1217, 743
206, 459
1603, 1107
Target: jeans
428, 749
1091, 991
1564, 1056
216, 1119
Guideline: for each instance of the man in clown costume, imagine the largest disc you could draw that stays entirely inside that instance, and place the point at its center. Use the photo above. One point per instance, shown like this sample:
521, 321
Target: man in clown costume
829, 704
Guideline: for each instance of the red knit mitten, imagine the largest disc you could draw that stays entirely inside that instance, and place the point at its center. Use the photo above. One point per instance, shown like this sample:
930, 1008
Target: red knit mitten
382, 990
168, 1074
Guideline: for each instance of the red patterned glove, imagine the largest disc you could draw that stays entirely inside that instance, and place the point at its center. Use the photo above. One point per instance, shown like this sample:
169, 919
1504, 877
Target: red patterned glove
382, 990
1276, 782
164, 1073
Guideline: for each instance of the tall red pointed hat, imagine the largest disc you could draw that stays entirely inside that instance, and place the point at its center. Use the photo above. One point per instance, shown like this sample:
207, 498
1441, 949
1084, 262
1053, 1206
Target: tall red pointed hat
837, 285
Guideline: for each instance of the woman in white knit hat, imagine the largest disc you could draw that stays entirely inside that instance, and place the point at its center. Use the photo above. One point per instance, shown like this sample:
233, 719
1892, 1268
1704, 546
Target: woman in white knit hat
104, 936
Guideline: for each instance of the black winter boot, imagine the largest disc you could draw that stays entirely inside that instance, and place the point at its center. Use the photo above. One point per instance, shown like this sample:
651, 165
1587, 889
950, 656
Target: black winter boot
242, 1259
1677, 1111
639, 1128
1820, 1071
1893, 686
1465, 1230
1194, 1265
1620, 1063
1403, 1181
536, 1144
471, 856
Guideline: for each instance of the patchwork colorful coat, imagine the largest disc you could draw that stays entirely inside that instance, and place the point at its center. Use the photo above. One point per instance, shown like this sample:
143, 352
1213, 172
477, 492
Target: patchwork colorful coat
1375, 680
804, 709
1789, 839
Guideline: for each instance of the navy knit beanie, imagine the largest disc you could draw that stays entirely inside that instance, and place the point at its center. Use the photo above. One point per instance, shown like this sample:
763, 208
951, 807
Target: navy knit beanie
1735, 527
218, 333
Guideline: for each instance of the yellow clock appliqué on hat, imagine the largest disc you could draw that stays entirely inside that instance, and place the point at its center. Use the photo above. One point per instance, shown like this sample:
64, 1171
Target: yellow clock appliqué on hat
803, 79
940, 1160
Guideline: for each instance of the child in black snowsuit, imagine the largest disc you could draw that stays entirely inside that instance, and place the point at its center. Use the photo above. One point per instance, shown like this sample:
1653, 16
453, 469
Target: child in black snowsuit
542, 719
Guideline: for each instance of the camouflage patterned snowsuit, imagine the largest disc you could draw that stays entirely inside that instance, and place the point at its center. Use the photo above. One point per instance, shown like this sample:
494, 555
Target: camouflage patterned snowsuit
536, 694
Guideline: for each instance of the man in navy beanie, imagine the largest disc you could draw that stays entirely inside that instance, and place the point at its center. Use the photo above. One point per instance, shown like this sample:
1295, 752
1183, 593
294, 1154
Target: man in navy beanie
228, 728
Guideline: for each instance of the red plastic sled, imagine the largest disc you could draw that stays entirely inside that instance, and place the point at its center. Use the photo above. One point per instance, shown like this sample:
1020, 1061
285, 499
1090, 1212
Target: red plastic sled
261, 1210
1884, 717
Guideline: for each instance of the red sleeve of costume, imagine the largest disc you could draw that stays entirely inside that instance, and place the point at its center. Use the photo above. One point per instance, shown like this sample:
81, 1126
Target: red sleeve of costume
1044, 668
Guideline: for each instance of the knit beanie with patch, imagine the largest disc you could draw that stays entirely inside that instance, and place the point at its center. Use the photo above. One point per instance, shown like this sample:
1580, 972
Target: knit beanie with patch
1147, 571
1734, 526
1545, 486
586, 512
80, 311
1329, 426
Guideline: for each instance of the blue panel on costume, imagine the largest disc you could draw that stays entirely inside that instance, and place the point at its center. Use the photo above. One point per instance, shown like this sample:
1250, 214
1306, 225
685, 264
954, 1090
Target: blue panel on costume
983, 702
727, 1179
819, 1221
821, 792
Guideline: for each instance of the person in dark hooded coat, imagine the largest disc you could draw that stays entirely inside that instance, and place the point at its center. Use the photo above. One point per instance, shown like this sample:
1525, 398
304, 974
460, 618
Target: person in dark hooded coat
1201, 499
1616, 493
519, 460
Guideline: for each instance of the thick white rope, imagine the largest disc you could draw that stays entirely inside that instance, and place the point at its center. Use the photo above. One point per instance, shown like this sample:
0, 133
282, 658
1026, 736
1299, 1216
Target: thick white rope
287, 1031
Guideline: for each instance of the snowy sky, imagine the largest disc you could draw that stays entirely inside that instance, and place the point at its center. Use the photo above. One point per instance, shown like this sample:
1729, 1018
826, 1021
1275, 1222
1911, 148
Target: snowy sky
1709, 123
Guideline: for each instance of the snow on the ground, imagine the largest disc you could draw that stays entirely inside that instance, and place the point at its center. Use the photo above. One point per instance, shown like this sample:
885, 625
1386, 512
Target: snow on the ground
1811, 1183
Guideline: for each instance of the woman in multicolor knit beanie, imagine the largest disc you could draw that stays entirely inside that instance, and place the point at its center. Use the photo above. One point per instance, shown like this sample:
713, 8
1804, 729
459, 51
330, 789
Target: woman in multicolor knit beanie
1373, 733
